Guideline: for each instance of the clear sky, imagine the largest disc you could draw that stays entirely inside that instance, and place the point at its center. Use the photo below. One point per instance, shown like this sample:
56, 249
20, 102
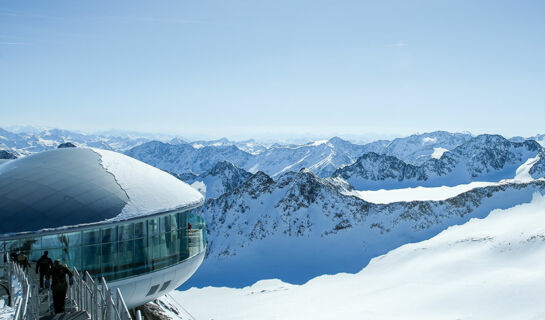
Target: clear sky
252, 68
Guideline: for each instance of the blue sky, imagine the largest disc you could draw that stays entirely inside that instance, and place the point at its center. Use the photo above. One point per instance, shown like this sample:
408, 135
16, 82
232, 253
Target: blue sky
265, 68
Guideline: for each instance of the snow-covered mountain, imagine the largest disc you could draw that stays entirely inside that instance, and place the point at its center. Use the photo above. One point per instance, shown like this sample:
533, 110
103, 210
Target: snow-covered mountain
300, 226
29, 140
483, 158
183, 158
540, 138
485, 269
321, 157
419, 148
222, 178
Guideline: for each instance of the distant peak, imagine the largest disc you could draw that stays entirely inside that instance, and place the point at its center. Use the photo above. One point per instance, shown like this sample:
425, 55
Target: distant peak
336, 140
222, 166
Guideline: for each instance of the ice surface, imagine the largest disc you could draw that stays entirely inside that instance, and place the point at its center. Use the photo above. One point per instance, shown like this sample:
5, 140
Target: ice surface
149, 189
489, 268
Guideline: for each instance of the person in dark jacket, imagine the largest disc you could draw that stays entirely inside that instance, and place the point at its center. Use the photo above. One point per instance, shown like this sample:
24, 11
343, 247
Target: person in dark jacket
23, 261
13, 257
43, 266
59, 285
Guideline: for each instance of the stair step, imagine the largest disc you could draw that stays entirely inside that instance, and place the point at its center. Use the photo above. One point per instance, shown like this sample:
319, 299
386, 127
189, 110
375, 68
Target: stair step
78, 315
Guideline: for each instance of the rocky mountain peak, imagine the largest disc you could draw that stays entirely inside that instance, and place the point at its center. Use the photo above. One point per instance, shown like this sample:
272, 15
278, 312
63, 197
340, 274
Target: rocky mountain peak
7, 155
66, 145
224, 167
257, 184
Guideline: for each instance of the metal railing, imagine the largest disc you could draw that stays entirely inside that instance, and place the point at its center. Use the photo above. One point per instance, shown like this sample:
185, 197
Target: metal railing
97, 299
85, 294
22, 297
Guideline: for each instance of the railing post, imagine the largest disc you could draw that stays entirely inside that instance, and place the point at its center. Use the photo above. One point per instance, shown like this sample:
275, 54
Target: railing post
96, 302
10, 284
109, 305
82, 293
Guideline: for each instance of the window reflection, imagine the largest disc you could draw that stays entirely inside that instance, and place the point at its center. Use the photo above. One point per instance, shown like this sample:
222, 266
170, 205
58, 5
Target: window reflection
124, 250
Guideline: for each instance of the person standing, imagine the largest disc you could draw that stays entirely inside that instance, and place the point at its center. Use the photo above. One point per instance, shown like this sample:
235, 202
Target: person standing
14, 258
43, 265
23, 261
59, 286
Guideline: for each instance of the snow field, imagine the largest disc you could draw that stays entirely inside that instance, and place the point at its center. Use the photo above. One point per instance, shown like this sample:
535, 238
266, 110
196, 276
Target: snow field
491, 268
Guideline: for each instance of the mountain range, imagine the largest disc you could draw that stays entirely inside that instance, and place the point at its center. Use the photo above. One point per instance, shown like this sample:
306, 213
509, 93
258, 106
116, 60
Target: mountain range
292, 212
30, 140
321, 157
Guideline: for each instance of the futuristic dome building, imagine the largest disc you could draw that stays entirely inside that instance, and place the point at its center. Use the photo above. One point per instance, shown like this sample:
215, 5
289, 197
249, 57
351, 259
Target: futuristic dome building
104, 213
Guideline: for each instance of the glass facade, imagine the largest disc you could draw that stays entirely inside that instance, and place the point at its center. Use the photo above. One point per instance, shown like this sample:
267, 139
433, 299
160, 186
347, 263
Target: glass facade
122, 250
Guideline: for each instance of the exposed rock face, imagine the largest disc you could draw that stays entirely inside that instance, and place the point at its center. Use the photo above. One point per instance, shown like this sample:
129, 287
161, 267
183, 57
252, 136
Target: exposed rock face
67, 145
7, 155
164, 308
222, 178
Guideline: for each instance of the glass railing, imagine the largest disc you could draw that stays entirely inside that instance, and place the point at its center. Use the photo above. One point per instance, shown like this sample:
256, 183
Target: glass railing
122, 250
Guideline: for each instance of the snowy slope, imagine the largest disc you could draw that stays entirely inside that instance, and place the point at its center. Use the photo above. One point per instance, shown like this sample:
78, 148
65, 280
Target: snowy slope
417, 193
485, 269
300, 226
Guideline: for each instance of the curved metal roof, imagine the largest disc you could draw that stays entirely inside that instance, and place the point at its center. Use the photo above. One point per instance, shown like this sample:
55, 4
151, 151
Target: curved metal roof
73, 186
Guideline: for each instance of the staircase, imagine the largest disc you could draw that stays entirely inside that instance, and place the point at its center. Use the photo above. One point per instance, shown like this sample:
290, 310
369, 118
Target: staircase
75, 315
86, 299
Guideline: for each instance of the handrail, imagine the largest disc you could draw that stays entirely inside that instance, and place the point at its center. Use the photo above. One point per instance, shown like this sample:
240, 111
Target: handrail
20, 289
96, 298
84, 294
